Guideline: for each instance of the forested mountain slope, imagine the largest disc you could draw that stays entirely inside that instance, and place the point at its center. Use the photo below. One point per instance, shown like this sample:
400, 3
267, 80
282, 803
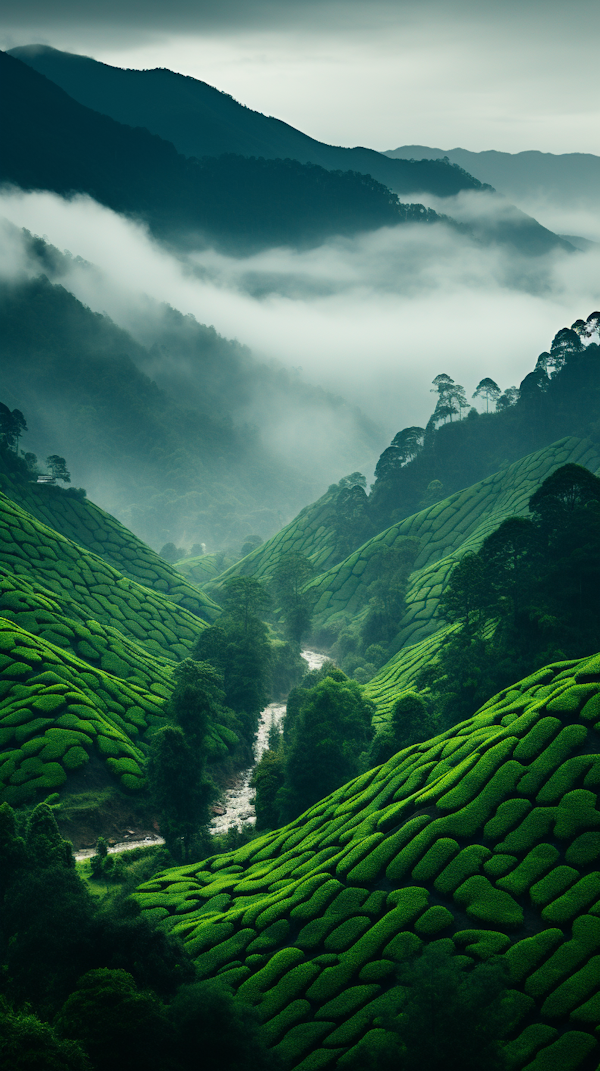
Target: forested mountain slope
51, 142
202, 121
528, 178
185, 461
483, 841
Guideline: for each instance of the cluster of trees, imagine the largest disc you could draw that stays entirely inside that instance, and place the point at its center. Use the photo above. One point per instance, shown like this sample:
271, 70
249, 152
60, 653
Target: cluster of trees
236, 667
324, 743
90, 986
460, 445
12, 426
451, 1017
528, 597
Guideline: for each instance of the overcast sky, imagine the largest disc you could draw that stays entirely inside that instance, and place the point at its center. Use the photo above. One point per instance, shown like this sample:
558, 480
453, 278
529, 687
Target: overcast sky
504, 75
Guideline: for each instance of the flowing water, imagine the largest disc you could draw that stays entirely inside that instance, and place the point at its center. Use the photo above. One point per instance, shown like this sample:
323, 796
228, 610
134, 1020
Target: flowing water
236, 801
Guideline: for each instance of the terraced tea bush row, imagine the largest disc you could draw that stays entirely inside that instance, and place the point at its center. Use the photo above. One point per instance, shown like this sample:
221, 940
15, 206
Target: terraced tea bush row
147, 617
55, 709
86, 524
66, 624
458, 841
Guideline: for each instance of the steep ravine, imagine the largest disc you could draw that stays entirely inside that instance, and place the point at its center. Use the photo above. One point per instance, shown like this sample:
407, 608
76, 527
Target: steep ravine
236, 801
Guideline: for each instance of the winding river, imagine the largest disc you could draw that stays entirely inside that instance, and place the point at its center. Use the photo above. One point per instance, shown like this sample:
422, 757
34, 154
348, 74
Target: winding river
236, 801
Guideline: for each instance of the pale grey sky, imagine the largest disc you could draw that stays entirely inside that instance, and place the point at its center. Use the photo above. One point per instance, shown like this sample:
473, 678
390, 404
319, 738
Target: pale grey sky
482, 75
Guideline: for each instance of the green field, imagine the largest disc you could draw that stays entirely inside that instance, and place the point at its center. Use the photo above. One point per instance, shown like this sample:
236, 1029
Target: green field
485, 838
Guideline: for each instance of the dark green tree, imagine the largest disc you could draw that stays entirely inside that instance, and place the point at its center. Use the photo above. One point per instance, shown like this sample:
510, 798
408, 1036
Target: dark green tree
28, 1044
216, 1032
120, 1027
390, 568
12, 426
267, 780
180, 790
58, 468
244, 597
290, 575
451, 1019
487, 388
410, 723
330, 734
409, 442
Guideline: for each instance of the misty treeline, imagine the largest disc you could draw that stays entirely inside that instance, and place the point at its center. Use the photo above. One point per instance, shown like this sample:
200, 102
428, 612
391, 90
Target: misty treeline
527, 598
460, 445
240, 203
91, 985
167, 435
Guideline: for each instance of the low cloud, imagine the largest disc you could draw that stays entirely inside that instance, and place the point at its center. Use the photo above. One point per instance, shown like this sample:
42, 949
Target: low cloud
373, 318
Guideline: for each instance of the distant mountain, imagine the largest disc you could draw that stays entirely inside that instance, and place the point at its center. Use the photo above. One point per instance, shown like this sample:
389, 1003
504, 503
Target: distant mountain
260, 196
573, 177
202, 121
49, 141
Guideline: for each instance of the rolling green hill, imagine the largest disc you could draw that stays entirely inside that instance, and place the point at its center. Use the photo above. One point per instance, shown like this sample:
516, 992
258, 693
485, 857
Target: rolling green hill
485, 839
311, 533
86, 653
444, 531
82, 522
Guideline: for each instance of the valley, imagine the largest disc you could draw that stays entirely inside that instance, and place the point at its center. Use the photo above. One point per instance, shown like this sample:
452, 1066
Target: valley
300, 693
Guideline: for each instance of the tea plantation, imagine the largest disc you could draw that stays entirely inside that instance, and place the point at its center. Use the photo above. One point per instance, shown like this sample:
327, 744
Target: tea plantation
485, 838
84, 523
311, 533
445, 531
86, 656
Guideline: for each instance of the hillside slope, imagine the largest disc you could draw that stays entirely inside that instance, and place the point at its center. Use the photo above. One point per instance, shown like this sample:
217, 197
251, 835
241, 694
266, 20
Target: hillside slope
51, 142
201, 121
485, 838
444, 531
82, 521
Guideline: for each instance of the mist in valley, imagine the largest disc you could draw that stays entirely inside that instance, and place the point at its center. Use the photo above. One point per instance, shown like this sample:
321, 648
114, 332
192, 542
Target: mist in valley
373, 318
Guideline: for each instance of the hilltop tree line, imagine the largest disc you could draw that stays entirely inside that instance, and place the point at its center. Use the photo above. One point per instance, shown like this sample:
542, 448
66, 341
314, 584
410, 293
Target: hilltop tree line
459, 445
528, 597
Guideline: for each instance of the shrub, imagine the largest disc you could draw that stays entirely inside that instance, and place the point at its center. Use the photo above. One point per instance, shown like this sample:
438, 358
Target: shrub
584, 850
347, 934
570, 993
538, 861
574, 901
465, 864
434, 920
568, 956
435, 859
555, 883
487, 904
